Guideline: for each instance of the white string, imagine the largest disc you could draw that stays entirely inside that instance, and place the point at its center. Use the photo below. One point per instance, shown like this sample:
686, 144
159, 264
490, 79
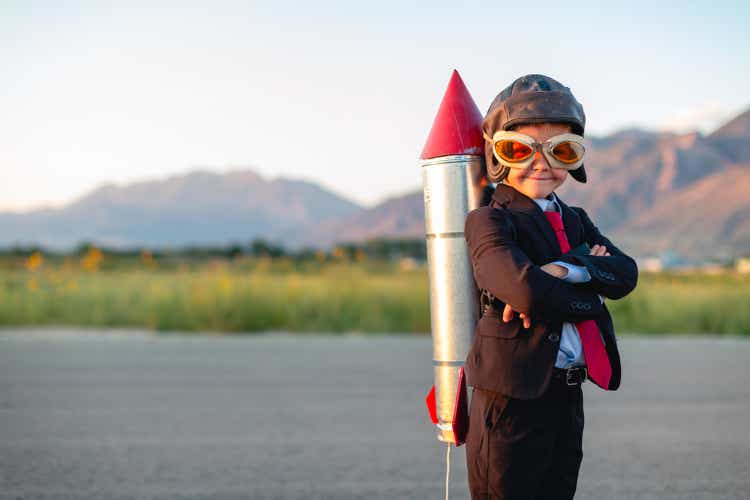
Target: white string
447, 468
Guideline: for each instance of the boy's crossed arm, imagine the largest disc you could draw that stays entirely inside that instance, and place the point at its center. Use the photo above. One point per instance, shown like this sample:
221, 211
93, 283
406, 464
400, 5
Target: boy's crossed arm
572, 273
613, 274
560, 268
501, 267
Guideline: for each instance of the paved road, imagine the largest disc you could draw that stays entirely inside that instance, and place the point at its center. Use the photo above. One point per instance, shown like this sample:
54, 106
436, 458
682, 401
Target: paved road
117, 416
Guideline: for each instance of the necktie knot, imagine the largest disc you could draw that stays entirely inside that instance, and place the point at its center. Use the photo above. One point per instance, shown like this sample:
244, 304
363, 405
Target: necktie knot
555, 220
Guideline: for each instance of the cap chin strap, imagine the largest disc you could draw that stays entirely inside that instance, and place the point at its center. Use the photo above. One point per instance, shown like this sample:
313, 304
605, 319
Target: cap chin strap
499, 173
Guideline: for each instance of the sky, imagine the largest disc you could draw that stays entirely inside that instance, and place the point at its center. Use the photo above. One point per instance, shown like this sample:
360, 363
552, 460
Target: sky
342, 94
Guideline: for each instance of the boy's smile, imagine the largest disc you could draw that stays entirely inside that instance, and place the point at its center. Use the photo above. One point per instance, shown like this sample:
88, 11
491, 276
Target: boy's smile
538, 180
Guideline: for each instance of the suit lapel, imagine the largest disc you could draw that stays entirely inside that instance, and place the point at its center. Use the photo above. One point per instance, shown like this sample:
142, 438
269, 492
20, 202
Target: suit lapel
508, 197
545, 228
571, 223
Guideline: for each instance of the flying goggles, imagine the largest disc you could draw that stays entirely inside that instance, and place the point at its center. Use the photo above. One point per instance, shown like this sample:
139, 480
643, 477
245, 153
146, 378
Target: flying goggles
517, 150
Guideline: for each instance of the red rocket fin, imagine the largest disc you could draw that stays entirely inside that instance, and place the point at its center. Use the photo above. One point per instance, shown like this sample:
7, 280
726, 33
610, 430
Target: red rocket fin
457, 129
432, 405
461, 410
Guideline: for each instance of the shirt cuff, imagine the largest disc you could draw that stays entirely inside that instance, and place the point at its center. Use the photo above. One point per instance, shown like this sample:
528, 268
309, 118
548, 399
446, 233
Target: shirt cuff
576, 274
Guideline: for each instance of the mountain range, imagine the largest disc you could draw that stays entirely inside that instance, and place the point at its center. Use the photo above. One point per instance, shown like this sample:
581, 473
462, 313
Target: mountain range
651, 193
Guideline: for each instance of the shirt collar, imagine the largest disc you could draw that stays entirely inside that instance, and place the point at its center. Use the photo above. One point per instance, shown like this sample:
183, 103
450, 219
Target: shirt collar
546, 204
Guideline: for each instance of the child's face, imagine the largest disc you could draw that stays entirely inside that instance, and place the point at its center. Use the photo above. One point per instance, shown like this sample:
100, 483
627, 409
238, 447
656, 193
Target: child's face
538, 179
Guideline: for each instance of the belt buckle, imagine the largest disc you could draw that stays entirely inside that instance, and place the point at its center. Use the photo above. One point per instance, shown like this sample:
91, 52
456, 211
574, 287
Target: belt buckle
569, 375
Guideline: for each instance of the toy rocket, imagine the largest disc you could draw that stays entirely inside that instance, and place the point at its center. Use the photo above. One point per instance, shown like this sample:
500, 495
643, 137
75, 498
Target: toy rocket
451, 172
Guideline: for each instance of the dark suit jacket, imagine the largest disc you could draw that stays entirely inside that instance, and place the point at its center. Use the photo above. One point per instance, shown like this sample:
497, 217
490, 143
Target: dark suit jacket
508, 241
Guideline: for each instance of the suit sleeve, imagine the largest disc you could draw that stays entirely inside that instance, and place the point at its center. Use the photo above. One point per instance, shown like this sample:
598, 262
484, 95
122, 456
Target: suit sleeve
612, 276
502, 268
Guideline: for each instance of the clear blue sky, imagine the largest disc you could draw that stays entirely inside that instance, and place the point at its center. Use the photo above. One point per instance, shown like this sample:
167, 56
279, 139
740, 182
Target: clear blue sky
341, 93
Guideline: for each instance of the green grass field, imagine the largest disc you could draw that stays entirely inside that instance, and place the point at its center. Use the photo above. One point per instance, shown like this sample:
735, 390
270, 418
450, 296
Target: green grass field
256, 294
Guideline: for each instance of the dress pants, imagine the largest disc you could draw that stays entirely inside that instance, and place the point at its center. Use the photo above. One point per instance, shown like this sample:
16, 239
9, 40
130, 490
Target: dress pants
525, 449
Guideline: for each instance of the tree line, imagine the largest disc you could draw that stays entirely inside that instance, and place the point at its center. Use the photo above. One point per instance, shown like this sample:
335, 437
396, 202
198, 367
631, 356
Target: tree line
377, 248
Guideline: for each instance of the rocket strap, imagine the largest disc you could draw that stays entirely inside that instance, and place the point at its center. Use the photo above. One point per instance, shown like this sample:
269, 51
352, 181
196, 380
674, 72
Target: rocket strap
486, 300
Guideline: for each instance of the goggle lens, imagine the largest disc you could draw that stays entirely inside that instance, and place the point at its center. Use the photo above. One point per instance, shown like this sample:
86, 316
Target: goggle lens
568, 152
516, 150
513, 151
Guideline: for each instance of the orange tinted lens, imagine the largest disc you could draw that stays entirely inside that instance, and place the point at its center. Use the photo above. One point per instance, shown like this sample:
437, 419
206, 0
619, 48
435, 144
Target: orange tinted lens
568, 152
513, 150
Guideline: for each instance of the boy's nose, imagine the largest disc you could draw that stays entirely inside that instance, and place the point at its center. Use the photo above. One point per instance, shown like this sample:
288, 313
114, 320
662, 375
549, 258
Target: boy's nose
540, 162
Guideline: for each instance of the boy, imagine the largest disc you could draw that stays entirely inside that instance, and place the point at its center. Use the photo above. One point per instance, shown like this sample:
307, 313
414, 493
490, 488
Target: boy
545, 328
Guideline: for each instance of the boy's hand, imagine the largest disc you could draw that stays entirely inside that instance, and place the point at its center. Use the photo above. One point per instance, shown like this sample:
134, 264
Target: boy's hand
599, 251
508, 315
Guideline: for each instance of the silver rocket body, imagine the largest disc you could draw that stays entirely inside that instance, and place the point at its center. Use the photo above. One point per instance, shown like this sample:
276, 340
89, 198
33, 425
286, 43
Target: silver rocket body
451, 190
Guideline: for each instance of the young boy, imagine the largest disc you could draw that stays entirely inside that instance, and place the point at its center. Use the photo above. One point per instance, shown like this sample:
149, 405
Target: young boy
545, 328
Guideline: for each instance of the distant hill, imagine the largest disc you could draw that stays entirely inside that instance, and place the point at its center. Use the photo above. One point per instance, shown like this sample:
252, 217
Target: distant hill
651, 192
654, 192
396, 217
197, 208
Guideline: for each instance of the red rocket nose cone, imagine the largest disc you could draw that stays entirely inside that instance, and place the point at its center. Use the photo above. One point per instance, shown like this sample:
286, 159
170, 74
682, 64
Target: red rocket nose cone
457, 129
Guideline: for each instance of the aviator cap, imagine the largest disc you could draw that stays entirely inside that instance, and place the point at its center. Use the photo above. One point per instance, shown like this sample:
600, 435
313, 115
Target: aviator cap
531, 99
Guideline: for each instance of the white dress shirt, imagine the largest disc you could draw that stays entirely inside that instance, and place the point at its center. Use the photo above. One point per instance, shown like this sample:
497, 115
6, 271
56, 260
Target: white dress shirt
571, 350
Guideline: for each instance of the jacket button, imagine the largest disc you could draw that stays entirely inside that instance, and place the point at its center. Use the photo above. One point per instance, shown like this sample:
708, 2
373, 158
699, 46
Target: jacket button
553, 337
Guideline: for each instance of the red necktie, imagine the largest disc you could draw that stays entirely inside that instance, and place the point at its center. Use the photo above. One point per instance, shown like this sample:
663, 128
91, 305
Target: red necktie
597, 361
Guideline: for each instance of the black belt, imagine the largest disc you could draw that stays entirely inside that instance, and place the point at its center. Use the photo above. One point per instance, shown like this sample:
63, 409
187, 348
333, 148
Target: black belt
575, 375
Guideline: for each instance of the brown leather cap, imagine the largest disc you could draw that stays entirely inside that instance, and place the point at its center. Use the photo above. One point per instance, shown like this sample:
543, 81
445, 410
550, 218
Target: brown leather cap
531, 99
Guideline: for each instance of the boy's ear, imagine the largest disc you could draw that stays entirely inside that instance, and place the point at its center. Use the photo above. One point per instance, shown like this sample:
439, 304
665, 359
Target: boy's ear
579, 174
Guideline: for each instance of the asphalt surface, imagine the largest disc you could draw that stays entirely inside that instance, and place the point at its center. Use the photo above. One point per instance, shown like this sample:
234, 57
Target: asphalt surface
105, 415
